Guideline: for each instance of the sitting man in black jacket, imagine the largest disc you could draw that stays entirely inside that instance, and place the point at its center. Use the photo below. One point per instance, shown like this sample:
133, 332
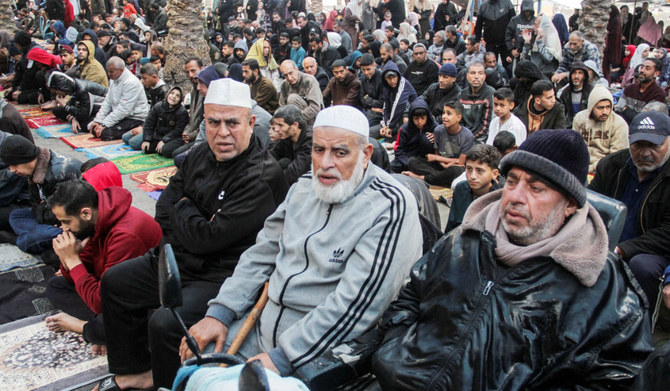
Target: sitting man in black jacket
524, 294
84, 103
293, 151
640, 178
210, 213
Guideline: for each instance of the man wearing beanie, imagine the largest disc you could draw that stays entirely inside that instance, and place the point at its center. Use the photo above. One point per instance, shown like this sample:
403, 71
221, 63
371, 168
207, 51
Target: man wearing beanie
324, 287
45, 171
524, 294
443, 91
639, 177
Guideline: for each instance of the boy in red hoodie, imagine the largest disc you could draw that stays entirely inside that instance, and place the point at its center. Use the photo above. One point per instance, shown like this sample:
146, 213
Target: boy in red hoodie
100, 229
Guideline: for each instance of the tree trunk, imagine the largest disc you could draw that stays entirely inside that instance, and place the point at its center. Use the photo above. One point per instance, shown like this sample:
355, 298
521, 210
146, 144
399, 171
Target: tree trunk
185, 39
7, 17
316, 6
593, 21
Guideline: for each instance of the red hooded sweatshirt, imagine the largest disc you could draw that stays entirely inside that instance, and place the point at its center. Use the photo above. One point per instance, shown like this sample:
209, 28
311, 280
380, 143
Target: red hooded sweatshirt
122, 232
103, 176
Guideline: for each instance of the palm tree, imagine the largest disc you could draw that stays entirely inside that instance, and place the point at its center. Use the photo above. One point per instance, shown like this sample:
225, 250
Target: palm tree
317, 6
7, 17
593, 21
185, 39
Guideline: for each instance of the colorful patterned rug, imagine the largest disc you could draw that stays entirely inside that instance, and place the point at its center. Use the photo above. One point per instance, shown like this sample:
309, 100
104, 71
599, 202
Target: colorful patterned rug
33, 111
155, 179
55, 131
12, 258
34, 358
87, 140
141, 162
51, 120
109, 151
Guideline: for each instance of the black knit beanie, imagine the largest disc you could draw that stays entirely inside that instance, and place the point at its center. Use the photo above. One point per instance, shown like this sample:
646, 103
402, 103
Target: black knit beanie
17, 150
559, 156
22, 38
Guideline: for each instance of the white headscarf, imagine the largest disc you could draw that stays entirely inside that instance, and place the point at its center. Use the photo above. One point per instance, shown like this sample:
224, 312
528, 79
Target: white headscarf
334, 40
356, 7
379, 35
406, 33
637, 58
550, 39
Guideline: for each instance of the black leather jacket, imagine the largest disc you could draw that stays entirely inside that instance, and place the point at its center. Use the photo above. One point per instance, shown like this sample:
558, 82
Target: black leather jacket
467, 322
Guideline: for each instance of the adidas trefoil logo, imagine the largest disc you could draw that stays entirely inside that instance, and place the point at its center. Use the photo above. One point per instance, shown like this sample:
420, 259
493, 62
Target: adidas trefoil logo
647, 123
337, 256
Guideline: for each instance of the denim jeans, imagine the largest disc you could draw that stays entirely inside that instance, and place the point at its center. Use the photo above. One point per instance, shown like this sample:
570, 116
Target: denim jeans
32, 237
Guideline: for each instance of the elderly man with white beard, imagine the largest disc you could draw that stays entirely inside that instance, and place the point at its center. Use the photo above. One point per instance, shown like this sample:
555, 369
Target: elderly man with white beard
335, 253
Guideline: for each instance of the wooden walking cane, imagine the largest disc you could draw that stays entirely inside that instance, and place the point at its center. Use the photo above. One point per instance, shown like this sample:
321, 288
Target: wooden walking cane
249, 322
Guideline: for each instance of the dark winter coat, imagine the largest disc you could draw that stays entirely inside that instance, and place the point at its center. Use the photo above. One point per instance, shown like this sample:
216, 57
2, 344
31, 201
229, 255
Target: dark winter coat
437, 97
394, 104
165, 123
294, 158
85, 96
411, 140
493, 16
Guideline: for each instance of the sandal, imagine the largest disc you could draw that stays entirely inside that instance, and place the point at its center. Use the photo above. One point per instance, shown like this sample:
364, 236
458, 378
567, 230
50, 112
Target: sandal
109, 384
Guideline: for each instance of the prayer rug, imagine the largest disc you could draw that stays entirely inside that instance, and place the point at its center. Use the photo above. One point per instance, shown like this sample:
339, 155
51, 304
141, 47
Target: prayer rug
34, 358
441, 192
109, 151
35, 123
55, 131
155, 179
22, 293
87, 140
34, 112
141, 162
12, 258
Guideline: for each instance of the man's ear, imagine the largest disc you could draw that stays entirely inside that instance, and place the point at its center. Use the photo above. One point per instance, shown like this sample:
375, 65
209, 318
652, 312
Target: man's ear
367, 151
571, 208
86, 214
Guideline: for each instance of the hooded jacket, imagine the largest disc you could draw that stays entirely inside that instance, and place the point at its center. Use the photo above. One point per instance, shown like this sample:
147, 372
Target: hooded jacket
99, 53
517, 25
601, 137
572, 320
436, 97
90, 69
396, 100
566, 93
494, 16
86, 97
241, 44
295, 158
102, 176
122, 232
50, 171
345, 92
478, 111
440, 15
125, 99
526, 73
411, 140
165, 123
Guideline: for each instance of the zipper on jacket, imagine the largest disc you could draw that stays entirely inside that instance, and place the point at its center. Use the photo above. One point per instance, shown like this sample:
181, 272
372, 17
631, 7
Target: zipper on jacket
488, 287
283, 289
644, 203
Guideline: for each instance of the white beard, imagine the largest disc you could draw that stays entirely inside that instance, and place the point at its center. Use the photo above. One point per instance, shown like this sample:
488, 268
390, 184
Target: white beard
343, 189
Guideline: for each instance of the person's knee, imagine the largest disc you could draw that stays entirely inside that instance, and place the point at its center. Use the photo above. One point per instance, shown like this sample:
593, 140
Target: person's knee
295, 99
111, 281
54, 289
162, 323
639, 266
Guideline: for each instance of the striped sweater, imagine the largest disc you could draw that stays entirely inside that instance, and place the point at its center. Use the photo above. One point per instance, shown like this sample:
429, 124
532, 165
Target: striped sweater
333, 268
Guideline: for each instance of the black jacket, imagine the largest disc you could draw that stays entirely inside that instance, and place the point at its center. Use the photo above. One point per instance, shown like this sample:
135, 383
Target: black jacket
326, 57
372, 90
165, 123
517, 25
411, 140
566, 95
494, 16
421, 75
465, 321
86, 97
211, 211
437, 97
295, 159
441, 12
653, 217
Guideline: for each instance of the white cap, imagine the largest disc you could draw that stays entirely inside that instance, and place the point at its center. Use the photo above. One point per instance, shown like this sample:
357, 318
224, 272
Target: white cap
228, 92
343, 117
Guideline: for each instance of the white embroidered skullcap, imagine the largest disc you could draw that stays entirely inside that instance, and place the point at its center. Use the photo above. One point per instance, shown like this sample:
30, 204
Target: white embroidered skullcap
343, 117
228, 92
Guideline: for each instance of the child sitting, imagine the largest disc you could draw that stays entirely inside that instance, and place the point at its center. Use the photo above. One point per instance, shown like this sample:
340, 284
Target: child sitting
503, 104
163, 127
452, 142
481, 171
415, 137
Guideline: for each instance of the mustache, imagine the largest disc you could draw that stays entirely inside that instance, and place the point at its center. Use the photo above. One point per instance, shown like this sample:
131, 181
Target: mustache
522, 212
644, 160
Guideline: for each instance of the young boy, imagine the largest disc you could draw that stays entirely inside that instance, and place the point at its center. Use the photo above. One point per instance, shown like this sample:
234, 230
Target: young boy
297, 52
503, 104
481, 171
451, 142
415, 137
504, 143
